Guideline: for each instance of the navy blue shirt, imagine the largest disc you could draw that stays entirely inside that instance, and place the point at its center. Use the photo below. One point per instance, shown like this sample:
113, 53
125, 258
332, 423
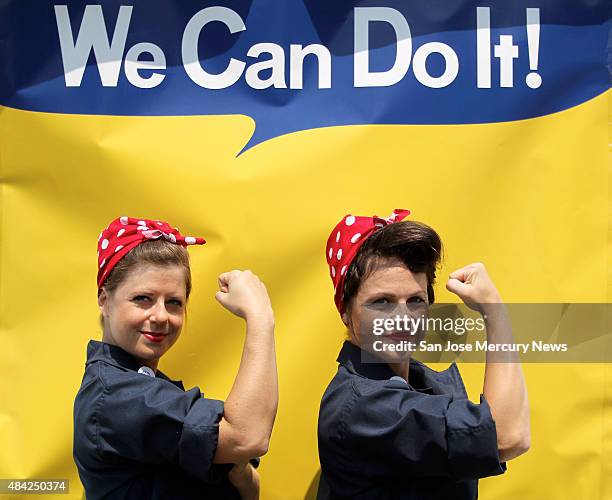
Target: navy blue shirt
383, 438
139, 436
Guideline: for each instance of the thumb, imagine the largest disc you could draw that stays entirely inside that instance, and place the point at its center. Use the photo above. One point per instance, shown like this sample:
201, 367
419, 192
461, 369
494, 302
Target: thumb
456, 286
221, 297
460, 274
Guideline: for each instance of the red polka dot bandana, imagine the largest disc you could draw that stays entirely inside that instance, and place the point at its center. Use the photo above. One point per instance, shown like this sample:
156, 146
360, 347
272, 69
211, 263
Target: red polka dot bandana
346, 239
125, 233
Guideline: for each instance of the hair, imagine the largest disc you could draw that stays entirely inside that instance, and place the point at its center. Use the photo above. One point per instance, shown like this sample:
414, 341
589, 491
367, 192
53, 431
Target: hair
416, 244
158, 252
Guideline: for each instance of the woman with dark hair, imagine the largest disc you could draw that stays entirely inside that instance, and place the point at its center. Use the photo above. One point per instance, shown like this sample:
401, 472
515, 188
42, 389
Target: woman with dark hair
137, 433
389, 426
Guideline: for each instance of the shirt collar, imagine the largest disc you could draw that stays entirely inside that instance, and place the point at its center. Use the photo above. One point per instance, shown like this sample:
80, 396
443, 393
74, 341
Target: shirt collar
351, 357
114, 355
420, 377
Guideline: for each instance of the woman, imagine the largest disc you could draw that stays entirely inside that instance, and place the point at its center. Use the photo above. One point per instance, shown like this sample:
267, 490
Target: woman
139, 434
395, 428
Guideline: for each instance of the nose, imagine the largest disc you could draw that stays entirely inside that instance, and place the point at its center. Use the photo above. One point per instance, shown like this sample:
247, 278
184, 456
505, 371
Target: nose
158, 313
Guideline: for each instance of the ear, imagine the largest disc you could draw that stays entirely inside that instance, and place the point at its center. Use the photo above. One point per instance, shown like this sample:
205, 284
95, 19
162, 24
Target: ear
345, 319
103, 301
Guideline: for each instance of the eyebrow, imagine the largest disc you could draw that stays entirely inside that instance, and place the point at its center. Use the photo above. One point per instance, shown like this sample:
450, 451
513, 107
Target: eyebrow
149, 292
381, 294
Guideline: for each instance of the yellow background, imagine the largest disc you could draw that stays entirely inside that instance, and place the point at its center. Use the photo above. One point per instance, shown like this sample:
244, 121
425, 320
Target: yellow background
528, 198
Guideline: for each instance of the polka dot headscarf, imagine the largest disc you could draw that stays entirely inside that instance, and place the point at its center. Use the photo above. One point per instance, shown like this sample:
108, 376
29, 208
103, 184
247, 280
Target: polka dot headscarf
125, 233
346, 239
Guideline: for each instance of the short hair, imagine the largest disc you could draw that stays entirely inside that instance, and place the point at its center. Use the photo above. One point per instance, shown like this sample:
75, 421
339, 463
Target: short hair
416, 244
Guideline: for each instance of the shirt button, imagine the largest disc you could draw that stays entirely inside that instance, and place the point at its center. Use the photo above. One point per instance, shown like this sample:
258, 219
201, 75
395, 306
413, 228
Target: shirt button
145, 370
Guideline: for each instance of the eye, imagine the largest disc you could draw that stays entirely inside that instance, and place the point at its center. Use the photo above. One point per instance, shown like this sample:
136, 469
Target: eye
141, 298
380, 300
176, 302
416, 300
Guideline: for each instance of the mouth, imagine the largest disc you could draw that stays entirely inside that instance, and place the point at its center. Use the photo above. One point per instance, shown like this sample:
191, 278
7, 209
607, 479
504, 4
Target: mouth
397, 337
154, 337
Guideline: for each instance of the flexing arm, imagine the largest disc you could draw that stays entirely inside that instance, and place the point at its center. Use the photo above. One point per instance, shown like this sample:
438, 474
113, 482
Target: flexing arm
250, 407
504, 385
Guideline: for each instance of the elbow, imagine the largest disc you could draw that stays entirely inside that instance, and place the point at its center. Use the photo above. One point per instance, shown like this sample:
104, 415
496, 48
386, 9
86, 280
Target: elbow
526, 443
522, 444
254, 447
239, 445
263, 448
260, 447
514, 446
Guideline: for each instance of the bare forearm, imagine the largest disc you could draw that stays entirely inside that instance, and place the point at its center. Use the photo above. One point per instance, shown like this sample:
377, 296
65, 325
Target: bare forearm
250, 407
504, 387
251, 404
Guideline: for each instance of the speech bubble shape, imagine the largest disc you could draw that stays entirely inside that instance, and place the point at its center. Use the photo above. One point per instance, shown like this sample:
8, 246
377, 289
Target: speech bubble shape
571, 65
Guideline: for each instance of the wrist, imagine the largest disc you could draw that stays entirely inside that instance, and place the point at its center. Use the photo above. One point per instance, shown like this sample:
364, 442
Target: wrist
494, 315
260, 319
490, 302
491, 308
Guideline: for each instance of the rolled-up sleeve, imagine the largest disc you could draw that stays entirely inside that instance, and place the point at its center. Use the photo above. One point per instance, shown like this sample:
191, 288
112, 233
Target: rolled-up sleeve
152, 421
392, 431
200, 437
472, 440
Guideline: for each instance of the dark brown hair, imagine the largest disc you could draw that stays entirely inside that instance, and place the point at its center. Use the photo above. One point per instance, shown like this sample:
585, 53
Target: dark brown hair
416, 244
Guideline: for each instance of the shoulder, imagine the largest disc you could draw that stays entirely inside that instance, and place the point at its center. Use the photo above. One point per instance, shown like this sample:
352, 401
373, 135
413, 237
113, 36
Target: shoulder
349, 395
107, 375
88, 405
448, 381
120, 378
109, 390
91, 391
349, 388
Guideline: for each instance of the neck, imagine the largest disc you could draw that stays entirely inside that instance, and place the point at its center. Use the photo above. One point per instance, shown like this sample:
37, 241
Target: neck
402, 369
151, 363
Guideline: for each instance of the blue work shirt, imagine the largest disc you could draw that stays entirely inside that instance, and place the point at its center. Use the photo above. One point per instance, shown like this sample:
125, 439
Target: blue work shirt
383, 438
139, 436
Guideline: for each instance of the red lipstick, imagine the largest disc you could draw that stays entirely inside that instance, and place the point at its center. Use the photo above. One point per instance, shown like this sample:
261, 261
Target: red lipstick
154, 337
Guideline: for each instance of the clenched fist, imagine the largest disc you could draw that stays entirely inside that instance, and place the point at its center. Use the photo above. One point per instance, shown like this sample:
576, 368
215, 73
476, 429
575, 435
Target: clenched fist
243, 294
474, 286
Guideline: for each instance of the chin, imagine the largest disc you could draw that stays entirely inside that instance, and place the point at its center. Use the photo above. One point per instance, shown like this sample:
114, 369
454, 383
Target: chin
387, 351
150, 353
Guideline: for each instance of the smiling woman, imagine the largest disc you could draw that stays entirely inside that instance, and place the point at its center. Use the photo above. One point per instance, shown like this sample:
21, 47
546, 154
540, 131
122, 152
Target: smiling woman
143, 301
139, 434
144, 315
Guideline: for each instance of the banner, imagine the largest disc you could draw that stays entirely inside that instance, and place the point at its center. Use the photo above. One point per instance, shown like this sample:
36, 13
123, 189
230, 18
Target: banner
258, 125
